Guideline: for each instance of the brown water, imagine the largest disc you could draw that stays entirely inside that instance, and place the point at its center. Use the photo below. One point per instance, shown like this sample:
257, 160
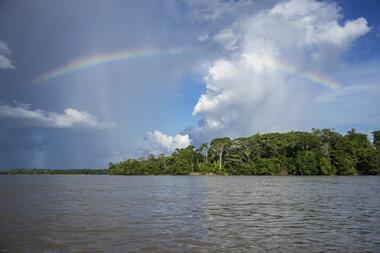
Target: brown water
189, 214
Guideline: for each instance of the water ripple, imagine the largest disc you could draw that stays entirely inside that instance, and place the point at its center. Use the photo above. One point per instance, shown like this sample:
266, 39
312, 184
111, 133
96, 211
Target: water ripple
189, 214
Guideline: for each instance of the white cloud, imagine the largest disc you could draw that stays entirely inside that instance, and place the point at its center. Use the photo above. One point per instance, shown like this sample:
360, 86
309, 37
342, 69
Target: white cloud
258, 84
5, 62
320, 22
23, 115
162, 143
342, 35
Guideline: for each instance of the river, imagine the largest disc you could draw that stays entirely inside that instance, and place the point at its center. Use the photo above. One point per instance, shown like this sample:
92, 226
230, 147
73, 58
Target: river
60, 213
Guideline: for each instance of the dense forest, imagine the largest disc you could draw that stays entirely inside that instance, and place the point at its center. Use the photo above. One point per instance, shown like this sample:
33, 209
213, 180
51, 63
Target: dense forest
319, 152
55, 172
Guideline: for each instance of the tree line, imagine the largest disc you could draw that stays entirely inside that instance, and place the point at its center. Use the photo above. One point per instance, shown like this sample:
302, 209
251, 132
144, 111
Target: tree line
55, 172
318, 152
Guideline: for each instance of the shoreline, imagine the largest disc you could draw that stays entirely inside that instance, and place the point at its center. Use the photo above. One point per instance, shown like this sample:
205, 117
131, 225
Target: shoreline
190, 175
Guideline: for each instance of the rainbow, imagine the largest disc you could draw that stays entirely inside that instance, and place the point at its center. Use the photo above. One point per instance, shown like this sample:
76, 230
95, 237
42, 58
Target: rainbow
313, 77
123, 55
98, 59
318, 78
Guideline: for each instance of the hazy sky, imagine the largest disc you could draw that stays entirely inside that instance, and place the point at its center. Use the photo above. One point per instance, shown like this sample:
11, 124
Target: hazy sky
86, 82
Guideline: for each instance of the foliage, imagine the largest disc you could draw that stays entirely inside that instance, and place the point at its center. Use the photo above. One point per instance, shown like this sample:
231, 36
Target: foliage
319, 152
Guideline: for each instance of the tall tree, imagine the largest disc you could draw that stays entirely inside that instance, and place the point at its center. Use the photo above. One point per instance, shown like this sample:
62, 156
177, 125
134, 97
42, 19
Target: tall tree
203, 149
376, 139
218, 148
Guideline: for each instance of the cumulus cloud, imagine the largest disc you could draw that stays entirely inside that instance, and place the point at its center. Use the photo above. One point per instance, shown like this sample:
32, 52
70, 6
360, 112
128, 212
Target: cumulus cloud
162, 143
319, 22
258, 85
23, 115
5, 62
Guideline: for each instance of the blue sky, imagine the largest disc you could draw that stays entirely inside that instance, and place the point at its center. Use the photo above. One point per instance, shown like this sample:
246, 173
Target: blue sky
240, 67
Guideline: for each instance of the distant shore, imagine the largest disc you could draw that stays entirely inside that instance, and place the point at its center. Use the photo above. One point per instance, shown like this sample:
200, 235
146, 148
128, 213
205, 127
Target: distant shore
105, 172
55, 172
322, 152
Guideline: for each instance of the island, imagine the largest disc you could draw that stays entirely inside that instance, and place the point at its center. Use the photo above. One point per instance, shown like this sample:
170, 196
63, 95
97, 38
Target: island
318, 152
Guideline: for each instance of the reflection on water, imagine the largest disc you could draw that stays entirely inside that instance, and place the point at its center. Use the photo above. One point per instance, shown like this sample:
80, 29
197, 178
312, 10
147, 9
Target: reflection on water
189, 214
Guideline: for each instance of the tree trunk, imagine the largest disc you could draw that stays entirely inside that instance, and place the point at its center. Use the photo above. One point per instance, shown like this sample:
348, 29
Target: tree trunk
220, 160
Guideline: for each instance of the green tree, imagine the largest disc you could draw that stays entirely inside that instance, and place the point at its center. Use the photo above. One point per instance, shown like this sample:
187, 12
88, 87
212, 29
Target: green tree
306, 163
203, 150
326, 167
376, 139
218, 149
319, 152
184, 161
